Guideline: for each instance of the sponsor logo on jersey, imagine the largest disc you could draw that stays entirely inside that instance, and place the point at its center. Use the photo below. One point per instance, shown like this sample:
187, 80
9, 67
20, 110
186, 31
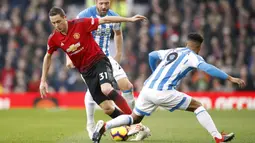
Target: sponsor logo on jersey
73, 47
103, 32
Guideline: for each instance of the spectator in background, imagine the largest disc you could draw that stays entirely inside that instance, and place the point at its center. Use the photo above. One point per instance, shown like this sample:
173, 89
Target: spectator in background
157, 27
34, 82
7, 75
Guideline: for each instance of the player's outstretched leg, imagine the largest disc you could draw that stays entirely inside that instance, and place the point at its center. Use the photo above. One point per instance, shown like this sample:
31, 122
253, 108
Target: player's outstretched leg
107, 106
225, 138
121, 120
109, 109
206, 121
139, 130
90, 112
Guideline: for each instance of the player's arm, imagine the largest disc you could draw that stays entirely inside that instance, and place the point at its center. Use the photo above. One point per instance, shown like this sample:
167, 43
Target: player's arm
153, 59
45, 69
46, 65
156, 56
118, 39
69, 63
215, 72
118, 19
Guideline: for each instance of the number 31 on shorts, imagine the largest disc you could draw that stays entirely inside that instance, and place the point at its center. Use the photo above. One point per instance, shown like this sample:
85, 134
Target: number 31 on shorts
103, 75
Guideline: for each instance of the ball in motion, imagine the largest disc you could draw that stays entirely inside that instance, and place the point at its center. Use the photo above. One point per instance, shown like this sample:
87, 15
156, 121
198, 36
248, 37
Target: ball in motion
119, 133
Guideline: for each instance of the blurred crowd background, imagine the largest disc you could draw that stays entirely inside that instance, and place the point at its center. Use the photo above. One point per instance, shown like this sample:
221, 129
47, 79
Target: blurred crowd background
228, 27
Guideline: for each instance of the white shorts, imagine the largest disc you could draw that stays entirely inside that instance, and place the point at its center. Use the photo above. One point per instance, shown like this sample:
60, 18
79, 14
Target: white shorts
149, 99
118, 72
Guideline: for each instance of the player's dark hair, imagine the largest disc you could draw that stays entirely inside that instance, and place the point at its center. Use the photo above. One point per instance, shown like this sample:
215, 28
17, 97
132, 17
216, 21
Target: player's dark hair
195, 37
57, 10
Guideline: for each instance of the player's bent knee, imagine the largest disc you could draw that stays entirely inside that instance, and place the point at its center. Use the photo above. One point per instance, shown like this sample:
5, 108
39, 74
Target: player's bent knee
107, 107
106, 88
106, 91
108, 111
198, 104
124, 84
129, 86
194, 104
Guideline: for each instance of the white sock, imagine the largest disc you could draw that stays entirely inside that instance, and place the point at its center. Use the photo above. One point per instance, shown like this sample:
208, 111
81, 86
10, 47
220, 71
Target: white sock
129, 97
90, 108
119, 121
206, 121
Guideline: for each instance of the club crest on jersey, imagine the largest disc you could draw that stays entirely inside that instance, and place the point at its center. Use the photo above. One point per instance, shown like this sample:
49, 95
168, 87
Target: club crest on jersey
76, 36
73, 47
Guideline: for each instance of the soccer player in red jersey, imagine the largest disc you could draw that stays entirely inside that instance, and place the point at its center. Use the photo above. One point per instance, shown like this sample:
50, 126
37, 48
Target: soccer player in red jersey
75, 39
102, 37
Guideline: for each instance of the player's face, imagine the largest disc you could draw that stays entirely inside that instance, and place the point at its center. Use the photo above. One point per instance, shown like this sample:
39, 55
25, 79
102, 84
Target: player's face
59, 22
102, 6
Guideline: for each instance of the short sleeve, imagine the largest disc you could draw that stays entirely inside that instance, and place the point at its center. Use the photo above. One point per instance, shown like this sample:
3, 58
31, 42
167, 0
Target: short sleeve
116, 26
90, 24
194, 60
163, 53
51, 47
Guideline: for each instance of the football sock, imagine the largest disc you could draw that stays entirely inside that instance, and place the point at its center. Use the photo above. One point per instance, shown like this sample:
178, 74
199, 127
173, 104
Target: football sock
90, 109
120, 102
116, 113
129, 97
206, 121
119, 121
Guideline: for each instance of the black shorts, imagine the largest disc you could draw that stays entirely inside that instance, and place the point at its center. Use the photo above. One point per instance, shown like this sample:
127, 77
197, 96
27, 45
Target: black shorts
99, 73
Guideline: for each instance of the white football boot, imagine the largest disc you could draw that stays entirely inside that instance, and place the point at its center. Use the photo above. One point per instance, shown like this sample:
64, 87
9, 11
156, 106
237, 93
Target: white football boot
90, 129
134, 129
140, 131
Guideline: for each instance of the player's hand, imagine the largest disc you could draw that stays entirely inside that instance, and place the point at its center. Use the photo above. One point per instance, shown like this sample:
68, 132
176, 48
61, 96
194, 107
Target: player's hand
43, 89
138, 18
238, 81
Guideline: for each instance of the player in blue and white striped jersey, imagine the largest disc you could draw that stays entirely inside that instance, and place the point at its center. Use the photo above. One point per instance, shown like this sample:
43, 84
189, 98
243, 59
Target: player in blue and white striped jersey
159, 88
102, 37
103, 33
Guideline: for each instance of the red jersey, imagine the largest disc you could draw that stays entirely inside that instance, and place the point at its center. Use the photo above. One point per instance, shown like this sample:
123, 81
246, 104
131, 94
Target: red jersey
78, 43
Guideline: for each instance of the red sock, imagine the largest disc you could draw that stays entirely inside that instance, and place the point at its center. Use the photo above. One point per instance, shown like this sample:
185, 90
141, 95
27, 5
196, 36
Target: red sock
120, 102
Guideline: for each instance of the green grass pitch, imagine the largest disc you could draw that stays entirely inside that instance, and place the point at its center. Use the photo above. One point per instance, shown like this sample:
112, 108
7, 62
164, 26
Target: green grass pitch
68, 126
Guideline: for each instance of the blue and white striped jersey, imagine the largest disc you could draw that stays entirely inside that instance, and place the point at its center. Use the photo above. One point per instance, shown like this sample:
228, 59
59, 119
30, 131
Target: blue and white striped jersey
103, 33
174, 65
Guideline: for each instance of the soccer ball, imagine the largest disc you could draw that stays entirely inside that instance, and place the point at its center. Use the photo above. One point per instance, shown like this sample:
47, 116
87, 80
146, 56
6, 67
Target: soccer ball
119, 133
